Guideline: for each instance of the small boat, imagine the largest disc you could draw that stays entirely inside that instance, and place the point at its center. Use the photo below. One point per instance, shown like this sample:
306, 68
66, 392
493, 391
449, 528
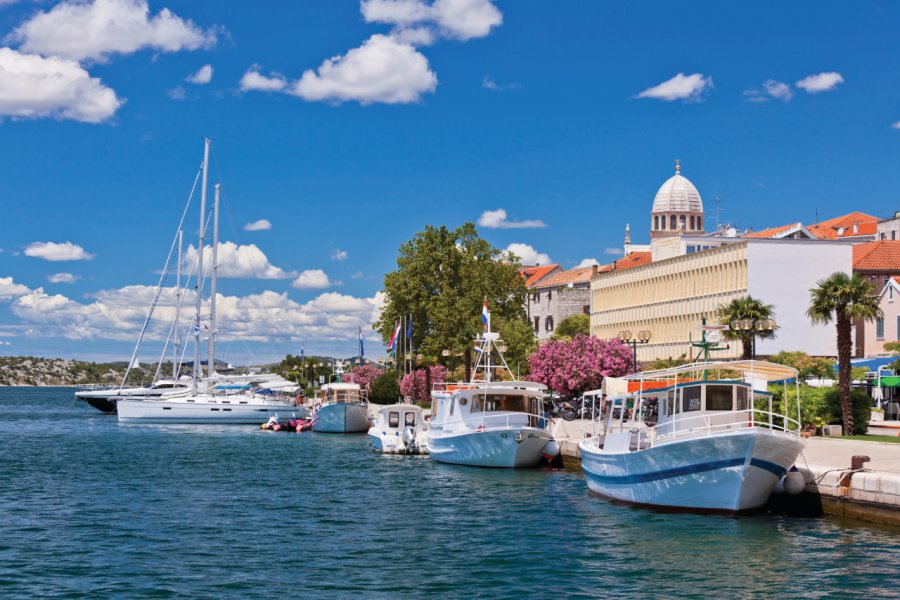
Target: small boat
342, 408
489, 423
399, 429
692, 438
293, 424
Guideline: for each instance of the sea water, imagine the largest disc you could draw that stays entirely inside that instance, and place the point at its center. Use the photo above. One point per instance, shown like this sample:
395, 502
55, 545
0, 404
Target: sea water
91, 508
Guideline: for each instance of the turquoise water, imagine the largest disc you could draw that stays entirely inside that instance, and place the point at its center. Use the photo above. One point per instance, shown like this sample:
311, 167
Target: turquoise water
89, 508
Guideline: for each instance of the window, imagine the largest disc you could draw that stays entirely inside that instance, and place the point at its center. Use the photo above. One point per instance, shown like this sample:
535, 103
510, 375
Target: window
549, 322
742, 398
690, 398
699, 222
656, 222
586, 309
393, 419
537, 324
718, 397
692, 221
893, 235
683, 222
663, 222
502, 402
670, 403
879, 328
549, 294
409, 419
537, 296
673, 223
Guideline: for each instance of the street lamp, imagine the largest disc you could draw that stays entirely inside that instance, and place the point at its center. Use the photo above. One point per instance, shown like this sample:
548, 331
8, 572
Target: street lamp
753, 327
642, 337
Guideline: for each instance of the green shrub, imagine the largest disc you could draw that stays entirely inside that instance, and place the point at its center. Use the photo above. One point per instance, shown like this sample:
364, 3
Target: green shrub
821, 406
862, 409
386, 388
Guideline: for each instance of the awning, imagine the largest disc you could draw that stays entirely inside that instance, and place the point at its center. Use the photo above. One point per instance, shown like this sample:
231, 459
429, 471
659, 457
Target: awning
757, 369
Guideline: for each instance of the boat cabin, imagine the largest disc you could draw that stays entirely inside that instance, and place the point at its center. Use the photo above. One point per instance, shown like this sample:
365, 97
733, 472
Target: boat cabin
494, 405
336, 393
399, 417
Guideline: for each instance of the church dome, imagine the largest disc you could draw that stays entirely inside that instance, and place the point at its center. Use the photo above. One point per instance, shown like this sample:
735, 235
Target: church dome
678, 194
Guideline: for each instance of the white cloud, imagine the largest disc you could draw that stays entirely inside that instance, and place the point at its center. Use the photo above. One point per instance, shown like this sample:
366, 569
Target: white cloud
33, 87
9, 289
528, 255
821, 82
62, 278
95, 30
177, 93
770, 88
690, 88
896, 125
587, 262
459, 19
339, 254
496, 219
615, 251
57, 251
489, 84
253, 80
201, 77
381, 70
245, 261
312, 279
261, 225
264, 317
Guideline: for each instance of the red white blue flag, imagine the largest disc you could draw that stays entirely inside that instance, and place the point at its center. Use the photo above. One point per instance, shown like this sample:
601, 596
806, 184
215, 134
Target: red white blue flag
392, 346
485, 315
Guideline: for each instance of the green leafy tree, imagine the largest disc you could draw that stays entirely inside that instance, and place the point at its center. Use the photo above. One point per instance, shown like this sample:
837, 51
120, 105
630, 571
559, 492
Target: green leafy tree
745, 307
807, 366
844, 299
518, 336
666, 363
386, 388
441, 280
893, 348
572, 326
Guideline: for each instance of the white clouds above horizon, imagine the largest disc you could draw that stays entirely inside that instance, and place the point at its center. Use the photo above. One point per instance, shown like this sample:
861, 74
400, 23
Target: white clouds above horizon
312, 279
32, 86
202, 76
457, 19
10, 289
339, 254
54, 251
528, 255
497, 219
62, 278
94, 31
615, 251
690, 88
253, 80
239, 262
820, 82
587, 262
770, 89
260, 225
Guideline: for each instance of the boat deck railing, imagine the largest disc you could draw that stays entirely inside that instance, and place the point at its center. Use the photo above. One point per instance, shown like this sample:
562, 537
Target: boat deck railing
493, 422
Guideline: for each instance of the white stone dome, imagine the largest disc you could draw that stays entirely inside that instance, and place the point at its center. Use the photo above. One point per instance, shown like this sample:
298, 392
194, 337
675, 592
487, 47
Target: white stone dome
677, 195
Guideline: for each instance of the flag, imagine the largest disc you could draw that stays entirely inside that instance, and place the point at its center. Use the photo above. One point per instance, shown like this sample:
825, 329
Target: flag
409, 328
392, 346
485, 315
196, 325
362, 352
301, 352
478, 348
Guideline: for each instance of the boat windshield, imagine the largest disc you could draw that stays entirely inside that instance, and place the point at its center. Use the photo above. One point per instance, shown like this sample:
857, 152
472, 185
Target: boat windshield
339, 396
505, 403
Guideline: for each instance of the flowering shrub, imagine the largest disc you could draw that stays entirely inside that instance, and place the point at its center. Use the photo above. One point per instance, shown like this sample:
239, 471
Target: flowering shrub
364, 375
413, 385
579, 365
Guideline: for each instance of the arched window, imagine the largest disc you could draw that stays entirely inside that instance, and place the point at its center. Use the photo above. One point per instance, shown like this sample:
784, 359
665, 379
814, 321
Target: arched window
692, 222
663, 221
683, 222
699, 222
656, 222
673, 223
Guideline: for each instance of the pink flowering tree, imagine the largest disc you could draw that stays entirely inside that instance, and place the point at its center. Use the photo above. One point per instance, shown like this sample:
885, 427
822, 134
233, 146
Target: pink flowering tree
580, 364
364, 375
413, 385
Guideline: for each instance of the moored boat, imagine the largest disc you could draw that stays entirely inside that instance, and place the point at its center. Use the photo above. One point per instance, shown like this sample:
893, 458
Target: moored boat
342, 408
693, 438
399, 429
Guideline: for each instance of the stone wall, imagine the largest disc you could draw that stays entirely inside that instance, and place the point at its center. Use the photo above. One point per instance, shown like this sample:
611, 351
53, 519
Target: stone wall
557, 303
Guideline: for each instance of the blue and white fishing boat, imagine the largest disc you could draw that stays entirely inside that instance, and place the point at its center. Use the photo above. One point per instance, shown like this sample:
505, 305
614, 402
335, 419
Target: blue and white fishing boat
342, 408
489, 423
701, 437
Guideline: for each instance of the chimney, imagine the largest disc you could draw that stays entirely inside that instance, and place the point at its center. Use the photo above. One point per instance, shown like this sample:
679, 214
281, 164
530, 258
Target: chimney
594, 270
855, 228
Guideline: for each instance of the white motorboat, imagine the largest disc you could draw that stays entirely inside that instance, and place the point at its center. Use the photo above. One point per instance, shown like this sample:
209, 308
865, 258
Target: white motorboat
399, 429
693, 438
342, 408
105, 398
488, 423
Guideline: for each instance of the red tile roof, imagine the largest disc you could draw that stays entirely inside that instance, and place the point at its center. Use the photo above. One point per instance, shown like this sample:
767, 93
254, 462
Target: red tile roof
828, 230
772, 231
561, 278
534, 274
882, 255
635, 259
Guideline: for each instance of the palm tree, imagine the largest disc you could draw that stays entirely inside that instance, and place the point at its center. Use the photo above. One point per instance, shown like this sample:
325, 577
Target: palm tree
746, 308
844, 298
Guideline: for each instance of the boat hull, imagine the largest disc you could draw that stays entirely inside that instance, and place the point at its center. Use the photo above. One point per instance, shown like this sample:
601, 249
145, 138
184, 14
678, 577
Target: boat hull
158, 411
507, 447
342, 417
103, 404
727, 473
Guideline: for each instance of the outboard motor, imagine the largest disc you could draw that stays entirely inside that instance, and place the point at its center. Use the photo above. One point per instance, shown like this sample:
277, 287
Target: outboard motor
409, 437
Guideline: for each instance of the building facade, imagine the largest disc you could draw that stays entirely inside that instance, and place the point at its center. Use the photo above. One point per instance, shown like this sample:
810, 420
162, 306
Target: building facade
887, 328
557, 296
889, 229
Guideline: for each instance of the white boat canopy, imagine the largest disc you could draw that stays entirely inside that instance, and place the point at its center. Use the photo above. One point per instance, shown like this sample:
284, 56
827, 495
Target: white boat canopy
755, 369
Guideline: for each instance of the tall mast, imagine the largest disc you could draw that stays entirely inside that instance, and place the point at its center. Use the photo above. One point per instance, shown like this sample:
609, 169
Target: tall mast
197, 367
214, 267
177, 343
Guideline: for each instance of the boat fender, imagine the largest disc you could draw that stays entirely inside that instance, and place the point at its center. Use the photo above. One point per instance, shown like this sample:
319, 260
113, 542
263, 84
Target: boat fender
551, 450
794, 482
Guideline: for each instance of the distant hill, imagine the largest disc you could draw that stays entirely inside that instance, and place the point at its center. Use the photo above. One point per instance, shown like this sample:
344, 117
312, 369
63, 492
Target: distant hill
31, 370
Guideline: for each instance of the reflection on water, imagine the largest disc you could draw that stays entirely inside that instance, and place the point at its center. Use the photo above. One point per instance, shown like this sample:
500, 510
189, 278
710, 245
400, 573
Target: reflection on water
89, 507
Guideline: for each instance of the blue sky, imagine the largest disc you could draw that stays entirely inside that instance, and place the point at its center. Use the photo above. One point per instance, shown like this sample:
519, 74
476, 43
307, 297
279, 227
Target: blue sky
567, 113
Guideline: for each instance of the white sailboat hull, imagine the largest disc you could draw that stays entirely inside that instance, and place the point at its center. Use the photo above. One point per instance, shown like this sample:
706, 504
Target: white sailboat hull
236, 412
728, 472
506, 447
342, 417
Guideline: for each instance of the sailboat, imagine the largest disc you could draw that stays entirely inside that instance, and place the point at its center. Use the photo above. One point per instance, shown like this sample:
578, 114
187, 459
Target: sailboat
217, 398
